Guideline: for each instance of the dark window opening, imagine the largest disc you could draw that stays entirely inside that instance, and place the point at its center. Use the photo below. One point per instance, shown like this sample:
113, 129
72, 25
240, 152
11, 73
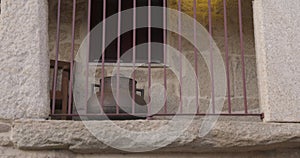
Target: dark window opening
126, 39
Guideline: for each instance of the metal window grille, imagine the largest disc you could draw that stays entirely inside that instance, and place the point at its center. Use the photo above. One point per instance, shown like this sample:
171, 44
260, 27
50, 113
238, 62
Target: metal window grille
68, 68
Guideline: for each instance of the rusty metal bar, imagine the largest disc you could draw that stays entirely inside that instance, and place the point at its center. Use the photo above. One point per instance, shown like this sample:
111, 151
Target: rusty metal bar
165, 53
149, 56
226, 55
242, 55
169, 114
103, 55
196, 53
180, 56
211, 56
72, 59
88, 55
133, 55
118, 55
56, 57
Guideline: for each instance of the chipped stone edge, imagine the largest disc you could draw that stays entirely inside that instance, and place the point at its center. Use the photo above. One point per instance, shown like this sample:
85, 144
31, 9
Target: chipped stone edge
226, 136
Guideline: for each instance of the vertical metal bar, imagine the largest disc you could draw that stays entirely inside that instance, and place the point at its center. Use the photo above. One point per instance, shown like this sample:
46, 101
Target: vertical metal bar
118, 56
103, 56
64, 91
149, 56
165, 53
211, 57
195, 53
72, 58
226, 55
56, 57
180, 57
133, 55
242, 56
88, 55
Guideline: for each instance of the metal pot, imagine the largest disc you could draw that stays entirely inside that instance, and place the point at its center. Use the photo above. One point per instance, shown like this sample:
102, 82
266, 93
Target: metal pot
110, 99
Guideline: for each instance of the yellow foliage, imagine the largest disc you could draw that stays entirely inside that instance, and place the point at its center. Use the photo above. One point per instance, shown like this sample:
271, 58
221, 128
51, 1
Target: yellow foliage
202, 8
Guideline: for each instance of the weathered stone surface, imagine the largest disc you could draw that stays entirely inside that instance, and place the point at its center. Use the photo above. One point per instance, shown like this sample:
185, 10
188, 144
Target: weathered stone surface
5, 141
15, 153
277, 46
225, 136
4, 128
5, 133
24, 61
238, 106
250, 76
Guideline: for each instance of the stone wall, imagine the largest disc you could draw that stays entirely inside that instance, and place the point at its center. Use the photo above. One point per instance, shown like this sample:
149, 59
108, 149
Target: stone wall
173, 83
24, 61
66, 27
277, 43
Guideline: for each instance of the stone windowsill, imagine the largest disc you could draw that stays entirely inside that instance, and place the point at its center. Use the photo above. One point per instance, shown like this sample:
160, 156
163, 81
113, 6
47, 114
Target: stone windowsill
226, 136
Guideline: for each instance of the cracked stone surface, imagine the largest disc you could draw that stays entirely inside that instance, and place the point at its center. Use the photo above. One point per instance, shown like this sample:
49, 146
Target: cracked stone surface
225, 136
